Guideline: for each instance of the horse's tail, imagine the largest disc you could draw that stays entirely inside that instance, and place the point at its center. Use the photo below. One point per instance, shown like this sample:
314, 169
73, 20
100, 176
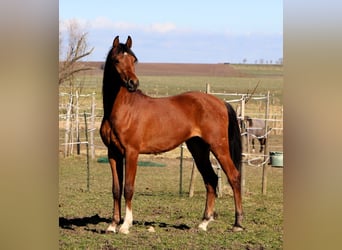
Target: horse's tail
235, 146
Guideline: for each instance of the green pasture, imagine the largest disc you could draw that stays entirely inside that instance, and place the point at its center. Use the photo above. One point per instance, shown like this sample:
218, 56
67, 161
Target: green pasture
260, 70
84, 215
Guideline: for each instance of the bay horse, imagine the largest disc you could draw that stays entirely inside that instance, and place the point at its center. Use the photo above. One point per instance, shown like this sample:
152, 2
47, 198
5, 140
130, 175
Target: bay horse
134, 123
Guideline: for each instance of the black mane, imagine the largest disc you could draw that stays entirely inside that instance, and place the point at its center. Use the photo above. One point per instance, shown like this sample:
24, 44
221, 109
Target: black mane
111, 80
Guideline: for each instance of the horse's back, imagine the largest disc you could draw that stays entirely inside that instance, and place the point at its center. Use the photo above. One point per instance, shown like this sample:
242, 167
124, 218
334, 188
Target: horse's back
257, 127
199, 100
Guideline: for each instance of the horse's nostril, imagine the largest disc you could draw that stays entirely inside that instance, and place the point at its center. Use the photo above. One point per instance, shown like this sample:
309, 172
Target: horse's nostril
132, 84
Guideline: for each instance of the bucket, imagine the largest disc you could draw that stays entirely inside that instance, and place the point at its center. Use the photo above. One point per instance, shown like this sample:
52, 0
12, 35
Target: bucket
276, 159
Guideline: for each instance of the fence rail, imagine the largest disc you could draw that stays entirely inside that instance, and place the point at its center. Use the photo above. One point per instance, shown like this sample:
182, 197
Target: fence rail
70, 120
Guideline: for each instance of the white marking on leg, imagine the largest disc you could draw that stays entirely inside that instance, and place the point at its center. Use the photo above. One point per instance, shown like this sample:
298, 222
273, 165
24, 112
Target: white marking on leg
203, 225
112, 228
237, 229
128, 221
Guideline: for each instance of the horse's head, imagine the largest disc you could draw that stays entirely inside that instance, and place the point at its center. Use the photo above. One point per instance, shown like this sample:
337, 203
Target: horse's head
123, 59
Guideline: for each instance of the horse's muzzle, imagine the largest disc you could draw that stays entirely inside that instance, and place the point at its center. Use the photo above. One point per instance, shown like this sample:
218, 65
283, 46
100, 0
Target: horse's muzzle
132, 85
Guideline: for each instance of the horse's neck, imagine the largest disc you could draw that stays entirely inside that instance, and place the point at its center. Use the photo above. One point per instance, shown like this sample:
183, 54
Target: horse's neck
131, 98
124, 97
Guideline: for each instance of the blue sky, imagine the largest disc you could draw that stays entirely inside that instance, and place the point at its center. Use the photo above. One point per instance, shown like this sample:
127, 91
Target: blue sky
182, 31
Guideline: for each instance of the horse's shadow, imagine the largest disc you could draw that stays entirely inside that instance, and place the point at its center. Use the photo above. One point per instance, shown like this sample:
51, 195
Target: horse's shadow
162, 225
70, 224
66, 223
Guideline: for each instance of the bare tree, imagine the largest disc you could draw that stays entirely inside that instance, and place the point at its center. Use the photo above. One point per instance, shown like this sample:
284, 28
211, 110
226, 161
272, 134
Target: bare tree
69, 66
76, 50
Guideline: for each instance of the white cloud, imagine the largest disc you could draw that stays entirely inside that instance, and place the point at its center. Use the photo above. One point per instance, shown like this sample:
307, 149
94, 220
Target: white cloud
104, 23
101, 23
162, 27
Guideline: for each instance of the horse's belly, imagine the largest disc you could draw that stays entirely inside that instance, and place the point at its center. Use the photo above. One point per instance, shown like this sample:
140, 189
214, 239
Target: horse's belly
163, 140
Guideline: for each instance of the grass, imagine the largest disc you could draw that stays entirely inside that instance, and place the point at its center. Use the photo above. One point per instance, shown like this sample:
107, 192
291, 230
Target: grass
157, 203
260, 70
171, 85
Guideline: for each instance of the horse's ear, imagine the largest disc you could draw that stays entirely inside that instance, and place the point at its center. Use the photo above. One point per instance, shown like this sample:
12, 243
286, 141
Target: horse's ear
129, 42
116, 42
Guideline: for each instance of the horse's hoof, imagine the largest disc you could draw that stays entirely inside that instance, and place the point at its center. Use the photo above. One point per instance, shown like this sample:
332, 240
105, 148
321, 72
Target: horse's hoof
111, 229
204, 224
237, 229
124, 230
202, 227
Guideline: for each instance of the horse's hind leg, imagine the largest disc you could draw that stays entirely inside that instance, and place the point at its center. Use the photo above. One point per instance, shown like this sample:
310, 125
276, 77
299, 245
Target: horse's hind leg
200, 152
223, 156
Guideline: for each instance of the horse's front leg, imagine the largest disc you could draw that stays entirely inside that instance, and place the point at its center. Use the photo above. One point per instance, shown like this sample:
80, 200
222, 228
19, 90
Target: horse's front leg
116, 164
131, 159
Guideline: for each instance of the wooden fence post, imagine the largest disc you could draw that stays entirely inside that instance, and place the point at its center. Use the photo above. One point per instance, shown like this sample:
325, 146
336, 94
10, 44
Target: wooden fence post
243, 142
207, 88
87, 146
92, 145
219, 178
181, 170
265, 165
78, 145
67, 128
192, 180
